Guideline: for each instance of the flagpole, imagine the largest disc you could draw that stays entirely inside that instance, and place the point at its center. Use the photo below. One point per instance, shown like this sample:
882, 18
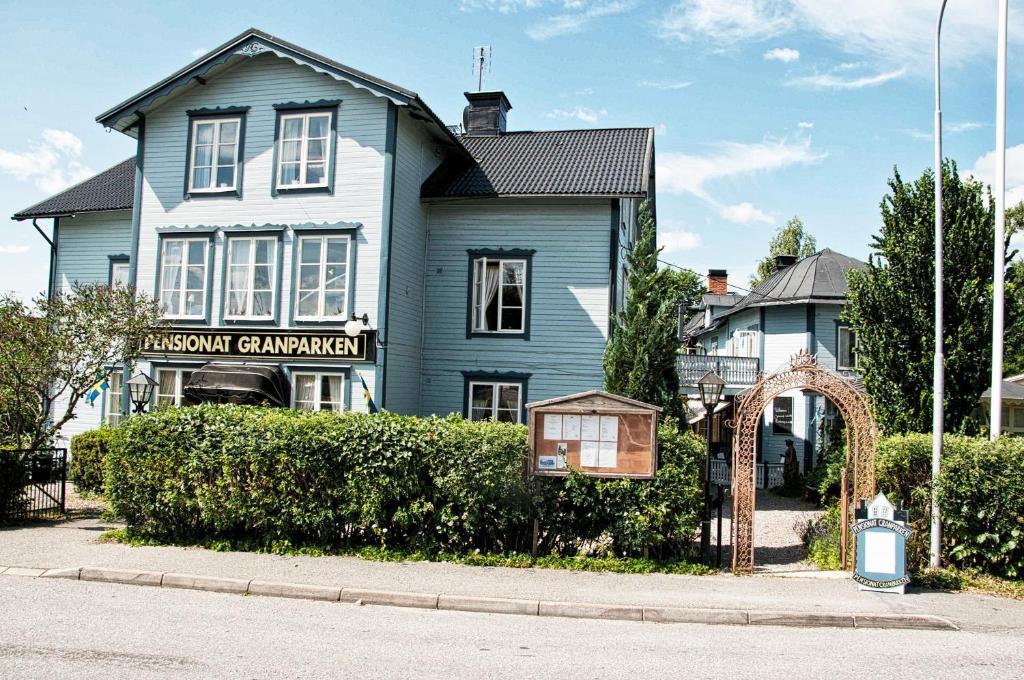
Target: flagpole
999, 263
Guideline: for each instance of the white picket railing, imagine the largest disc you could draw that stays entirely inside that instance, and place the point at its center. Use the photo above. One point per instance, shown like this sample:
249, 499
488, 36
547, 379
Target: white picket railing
720, 473
769, 475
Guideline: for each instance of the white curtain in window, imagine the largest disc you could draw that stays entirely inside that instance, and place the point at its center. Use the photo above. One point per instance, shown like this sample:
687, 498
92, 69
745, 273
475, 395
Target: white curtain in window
492, 280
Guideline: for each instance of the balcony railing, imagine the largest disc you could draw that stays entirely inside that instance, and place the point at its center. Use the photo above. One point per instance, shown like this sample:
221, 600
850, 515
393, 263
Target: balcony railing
733, 370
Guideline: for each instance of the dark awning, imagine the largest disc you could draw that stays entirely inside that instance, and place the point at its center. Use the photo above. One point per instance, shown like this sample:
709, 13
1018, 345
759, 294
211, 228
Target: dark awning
237, 384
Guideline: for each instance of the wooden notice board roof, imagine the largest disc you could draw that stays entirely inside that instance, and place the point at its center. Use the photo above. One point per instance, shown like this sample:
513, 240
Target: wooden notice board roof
598, 399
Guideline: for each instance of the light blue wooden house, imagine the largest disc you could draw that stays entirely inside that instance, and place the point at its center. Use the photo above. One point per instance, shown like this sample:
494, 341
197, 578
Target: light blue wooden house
740, 337
280, 202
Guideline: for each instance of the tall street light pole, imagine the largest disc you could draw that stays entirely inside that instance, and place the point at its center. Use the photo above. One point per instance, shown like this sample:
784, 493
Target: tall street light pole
938, 372
999, 263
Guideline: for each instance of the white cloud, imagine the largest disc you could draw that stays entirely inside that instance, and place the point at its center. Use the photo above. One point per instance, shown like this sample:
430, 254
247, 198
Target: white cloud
581, 113
198, 52
834, 81
502, 6
13, 250
51, 163
985, 170
725, 23
678, 240
805, 125
665, 84
966, 126
784, 54
745, 213
661, 129
682, 173
577, 17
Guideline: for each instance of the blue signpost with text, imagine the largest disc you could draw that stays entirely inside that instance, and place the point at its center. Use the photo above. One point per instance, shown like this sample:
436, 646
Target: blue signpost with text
882, 533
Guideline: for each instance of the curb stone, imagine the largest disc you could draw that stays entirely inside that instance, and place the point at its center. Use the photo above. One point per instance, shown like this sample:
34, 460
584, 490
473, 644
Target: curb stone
491, 605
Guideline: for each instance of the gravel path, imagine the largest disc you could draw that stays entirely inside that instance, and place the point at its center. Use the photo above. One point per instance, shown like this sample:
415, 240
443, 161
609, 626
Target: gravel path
778, 523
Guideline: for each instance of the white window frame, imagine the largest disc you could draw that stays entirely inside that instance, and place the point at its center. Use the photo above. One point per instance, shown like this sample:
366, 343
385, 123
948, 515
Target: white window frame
480, 265
322, 283
186, 246
217, 123
304, 150
179, 385
740, 338
250, 292
318, 376
853, 349
116, 266
496, 387
112, 403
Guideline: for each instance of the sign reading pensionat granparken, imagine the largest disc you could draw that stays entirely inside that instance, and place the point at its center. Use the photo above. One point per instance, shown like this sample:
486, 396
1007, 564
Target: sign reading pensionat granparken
258, 344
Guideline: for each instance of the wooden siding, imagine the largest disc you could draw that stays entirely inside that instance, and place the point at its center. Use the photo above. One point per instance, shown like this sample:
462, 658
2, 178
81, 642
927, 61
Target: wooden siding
787, 334
415, 159
569, 297
84, 246
826, 319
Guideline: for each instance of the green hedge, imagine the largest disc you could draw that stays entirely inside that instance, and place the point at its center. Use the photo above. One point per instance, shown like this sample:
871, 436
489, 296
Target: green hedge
88, 451
276, 477
14, 475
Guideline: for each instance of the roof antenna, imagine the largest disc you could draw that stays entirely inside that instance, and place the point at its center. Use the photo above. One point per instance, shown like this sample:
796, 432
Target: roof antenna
481, 63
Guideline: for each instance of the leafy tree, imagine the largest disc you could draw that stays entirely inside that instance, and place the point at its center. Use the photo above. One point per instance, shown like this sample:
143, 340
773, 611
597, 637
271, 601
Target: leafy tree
791, 239
685, 287
640, 360
1013, 350
54, 351
890, 305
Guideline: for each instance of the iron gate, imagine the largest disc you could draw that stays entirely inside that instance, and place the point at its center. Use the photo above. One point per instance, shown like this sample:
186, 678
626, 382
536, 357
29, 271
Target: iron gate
44, 494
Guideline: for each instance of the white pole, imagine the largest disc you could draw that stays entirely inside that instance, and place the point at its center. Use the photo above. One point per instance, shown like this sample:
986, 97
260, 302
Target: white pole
938, 368
1000, 235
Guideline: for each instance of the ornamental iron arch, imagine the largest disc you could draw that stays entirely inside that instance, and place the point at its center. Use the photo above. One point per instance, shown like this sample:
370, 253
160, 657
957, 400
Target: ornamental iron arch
802, 372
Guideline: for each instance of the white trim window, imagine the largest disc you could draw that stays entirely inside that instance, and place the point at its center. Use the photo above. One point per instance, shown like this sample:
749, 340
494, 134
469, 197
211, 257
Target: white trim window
171, 382
119, 274
214, 154
744, 343
321, 287
183, 269
113, 400
318, 391
303, 159
252, 264
499, 401
499, 295
846, 349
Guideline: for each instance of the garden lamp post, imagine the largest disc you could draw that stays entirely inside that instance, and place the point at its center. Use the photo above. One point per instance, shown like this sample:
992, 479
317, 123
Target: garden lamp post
710, 386
140, 387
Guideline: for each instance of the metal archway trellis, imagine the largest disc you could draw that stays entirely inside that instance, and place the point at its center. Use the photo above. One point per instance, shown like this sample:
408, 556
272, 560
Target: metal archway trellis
802, 372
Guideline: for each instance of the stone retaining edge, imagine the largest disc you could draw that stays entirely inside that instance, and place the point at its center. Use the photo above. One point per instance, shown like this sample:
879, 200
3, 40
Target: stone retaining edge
490, 605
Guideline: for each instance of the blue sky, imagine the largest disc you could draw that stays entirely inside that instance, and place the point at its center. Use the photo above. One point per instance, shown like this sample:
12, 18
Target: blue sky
764, 109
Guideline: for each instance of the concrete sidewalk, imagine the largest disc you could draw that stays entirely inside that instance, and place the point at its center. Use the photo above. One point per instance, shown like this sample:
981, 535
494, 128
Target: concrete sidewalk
73, 544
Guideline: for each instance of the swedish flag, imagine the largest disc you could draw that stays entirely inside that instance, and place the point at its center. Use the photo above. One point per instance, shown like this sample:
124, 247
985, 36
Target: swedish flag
370, 406
99, 387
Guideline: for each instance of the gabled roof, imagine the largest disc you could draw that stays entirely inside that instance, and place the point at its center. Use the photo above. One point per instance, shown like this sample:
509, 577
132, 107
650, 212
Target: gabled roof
252, 43
594, 398
1011, 390
608, 162
112, 189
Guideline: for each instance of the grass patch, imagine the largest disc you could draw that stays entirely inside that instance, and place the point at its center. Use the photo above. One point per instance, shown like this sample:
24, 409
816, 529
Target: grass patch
955, 580
618, 565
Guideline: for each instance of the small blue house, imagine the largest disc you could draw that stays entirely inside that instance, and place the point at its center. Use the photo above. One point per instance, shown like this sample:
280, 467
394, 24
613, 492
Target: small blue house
293, 213
797, 309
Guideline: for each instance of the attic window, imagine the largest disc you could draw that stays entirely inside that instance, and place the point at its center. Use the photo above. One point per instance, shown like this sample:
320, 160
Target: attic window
213, 158
305, 151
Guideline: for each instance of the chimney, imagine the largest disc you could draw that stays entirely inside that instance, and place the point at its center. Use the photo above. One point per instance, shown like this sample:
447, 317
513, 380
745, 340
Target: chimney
486, 113
783, 261
718, 281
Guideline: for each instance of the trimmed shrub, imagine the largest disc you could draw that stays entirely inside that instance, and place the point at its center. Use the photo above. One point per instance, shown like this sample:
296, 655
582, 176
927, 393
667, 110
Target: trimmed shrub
277, 478
14, 475
88, 451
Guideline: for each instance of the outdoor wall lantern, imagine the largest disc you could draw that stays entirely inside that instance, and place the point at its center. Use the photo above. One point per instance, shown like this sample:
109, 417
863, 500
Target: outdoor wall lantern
140, 387
711, 387
355, 325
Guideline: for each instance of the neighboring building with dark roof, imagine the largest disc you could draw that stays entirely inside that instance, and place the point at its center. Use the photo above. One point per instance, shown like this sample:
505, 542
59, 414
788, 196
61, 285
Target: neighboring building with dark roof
797, 309
1013, 404
282, 200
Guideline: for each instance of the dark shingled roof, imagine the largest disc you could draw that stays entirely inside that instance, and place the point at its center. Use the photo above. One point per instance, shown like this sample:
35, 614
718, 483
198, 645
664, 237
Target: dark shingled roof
1011, 391
112, 189
610, 162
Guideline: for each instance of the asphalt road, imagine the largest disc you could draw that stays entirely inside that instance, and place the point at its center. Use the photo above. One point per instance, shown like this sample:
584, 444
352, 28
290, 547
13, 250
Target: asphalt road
71, 629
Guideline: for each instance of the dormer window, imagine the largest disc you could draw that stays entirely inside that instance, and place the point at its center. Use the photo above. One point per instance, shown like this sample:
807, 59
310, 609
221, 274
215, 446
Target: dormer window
213, 157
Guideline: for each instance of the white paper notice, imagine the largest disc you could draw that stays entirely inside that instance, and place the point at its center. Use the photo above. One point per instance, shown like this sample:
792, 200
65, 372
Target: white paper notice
552, 426
609, 428
609, 455
880, 552
588, 453
570, 427
589, 428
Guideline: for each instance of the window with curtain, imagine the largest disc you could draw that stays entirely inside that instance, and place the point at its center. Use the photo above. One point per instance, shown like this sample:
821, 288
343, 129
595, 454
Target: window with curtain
495, 401
846, 355
304, 153
322, 279
113, 401
214, 154
183, 277
250, 285
318, 391
499, 295
171, 386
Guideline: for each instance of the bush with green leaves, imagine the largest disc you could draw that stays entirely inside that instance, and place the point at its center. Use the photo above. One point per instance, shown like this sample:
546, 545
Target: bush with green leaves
88, 451
273, 477
14, 475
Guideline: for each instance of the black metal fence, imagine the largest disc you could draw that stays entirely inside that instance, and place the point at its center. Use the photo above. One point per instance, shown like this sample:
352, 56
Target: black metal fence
44, 473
